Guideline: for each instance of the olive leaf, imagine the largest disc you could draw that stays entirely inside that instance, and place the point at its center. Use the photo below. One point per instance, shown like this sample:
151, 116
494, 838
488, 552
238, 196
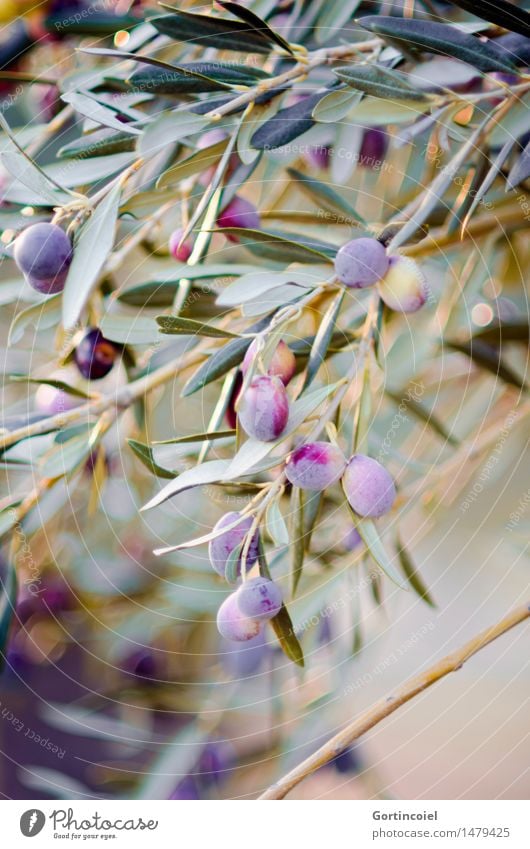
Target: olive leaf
198, 161
416, 35
297, 535
281, 248
221, 361
412, 575
322, 339
257, 24
488, 357
175, 324
98, 143
499, 12
8, 598
282, 623
287, 124
211, 32
520, 170
370, 536
91, 250
87, 105
327, 197
379, 81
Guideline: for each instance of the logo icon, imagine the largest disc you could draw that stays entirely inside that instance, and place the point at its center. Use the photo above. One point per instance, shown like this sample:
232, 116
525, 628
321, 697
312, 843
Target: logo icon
32, 822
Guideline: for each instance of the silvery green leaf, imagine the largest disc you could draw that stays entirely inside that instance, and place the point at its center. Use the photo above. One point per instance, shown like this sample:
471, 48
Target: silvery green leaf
412, 35
89, 106
91, 250
210, 472
370, 536
169, 128
257, 283
46, 313
130, 330
379, 81
276, 524
335, 106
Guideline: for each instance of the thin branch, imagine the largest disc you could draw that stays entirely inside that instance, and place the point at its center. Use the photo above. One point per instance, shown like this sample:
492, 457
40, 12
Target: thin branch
124, 397
387, 705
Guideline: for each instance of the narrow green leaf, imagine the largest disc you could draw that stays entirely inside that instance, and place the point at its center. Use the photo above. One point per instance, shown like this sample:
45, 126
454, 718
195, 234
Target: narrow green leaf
8, 599
326, 196
297, 535
489, 358
92, 248
91, 108
175, 324
199, 161
211, 32
275, 246
499, 12
412, 575
415, 35
145, 454
378, 81
282, 623
57, 384
257, 24
370, 536
276, 524
41, 315
218, 364
323, 337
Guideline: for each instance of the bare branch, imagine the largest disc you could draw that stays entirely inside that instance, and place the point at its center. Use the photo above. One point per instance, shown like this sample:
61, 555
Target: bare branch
387, 705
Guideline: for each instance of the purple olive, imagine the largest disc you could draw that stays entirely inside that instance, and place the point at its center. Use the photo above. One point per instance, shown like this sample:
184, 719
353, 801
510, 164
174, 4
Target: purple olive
182, 252
352, 540
222, 546
373, 147
403, 288
361, 262
315, 466
43, 253
282, 363
264, 408
239, 213
234, 625
318, 156
368, 486
242, 661
231, 414
51, 401
95, 355
259, 598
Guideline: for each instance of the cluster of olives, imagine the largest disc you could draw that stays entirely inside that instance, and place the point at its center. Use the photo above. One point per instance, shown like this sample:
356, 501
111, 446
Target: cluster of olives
364, 262
43, 253
242, 614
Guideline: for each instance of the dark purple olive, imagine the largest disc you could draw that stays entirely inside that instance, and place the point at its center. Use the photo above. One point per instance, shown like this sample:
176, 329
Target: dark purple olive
95, 355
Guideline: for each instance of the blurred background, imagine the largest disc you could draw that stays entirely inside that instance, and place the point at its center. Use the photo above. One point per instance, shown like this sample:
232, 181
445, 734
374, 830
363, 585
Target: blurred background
115, 682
